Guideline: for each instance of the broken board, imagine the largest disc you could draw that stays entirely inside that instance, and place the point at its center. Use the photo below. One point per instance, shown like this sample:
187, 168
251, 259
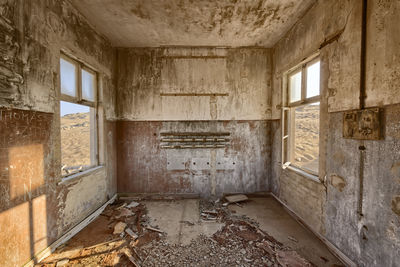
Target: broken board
236, 198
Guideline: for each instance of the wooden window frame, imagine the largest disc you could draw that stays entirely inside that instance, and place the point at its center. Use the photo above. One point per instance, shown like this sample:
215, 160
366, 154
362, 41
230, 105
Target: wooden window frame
94, 116
288, 113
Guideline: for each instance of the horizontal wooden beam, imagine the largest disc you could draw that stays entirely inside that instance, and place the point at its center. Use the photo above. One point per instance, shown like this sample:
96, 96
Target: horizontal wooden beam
195, 134
194, 94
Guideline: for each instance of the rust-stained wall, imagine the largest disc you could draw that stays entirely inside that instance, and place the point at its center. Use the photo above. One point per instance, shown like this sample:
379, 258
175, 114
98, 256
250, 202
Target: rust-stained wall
26, 199
34, 208
144, 167
208, 90
334, 206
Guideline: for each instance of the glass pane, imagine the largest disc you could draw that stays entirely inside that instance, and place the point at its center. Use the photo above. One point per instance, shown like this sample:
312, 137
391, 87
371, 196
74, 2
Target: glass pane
295, 87
313, 80
76, 137
306, 143
88, 84
68, 78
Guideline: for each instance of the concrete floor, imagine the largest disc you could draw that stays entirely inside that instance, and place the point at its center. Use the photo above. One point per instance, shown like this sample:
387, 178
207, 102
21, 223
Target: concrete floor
169, 217
180, 220
274, 219
271, 216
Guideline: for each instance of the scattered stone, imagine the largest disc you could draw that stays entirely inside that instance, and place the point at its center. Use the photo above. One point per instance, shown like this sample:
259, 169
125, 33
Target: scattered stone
240, 242
124, 212
119, 228
62, 262
292, 258
133, 204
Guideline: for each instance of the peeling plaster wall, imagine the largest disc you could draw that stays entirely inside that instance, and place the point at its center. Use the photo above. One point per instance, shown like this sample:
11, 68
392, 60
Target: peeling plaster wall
145, 74
172, 90
321, 23
383, 53
143, 167
332, 207
35, 209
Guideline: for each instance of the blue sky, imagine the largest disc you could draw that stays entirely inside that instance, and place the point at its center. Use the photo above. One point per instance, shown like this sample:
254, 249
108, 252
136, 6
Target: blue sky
70, 108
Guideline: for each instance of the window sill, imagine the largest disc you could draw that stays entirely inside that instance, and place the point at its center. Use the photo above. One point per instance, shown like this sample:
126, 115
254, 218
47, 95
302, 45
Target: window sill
78, 175
304, 174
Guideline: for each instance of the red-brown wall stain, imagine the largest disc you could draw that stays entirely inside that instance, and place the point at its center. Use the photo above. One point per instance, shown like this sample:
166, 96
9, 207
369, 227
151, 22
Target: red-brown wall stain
26, 166
143, 165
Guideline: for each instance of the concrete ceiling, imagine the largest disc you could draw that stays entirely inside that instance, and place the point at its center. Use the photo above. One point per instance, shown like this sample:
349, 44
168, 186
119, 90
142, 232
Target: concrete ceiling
150, 23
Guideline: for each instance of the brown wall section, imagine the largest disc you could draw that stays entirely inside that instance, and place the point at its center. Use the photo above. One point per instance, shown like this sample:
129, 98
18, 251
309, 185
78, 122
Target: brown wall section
193, 89
144, 167
35, 209
27, 195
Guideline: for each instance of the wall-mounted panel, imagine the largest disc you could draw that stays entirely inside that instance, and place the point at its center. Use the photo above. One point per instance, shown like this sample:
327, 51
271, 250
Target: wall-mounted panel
144, 166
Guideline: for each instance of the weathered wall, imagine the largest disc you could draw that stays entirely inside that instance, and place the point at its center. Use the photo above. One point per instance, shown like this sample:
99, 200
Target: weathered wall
383, 53
333, 207
242, 75
202, 90
144, 167
35, 209
236, 23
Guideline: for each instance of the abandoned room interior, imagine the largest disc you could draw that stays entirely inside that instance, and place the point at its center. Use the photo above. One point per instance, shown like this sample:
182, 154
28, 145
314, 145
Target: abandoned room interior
200, 133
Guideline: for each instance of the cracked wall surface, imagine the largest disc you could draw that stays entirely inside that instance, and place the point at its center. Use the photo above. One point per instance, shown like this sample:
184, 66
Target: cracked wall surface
359, 218
152, 23
145, 92
186, 90
35, 208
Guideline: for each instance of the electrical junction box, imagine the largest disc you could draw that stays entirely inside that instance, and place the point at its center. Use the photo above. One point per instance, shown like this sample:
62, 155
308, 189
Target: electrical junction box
363, 124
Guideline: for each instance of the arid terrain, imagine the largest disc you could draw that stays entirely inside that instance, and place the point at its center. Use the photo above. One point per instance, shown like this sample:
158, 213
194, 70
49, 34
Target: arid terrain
307, 137
75, 142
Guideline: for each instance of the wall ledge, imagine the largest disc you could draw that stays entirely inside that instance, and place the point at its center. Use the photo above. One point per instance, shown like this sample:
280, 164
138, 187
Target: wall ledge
79, 175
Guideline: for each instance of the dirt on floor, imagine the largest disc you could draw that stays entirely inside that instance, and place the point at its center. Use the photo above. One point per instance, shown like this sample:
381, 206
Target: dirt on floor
123, 236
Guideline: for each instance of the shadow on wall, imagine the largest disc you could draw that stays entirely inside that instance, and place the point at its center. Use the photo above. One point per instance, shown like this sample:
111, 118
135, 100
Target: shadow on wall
25, 165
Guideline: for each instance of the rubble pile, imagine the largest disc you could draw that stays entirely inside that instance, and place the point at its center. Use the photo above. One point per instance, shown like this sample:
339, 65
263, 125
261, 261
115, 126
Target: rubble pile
238, 243
130, 240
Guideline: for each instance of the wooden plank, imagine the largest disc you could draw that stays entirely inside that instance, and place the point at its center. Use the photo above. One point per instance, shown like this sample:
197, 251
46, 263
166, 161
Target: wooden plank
154, 229
130, 257
194, 94
236, 198
195, 134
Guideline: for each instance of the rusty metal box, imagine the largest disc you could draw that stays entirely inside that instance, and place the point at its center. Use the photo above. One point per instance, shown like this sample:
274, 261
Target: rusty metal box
364, 124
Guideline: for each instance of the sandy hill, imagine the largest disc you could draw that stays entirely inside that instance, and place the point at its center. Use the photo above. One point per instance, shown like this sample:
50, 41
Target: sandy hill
75, 141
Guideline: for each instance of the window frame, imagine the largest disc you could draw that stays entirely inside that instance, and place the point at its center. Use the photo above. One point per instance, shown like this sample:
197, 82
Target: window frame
94, 116
288, 113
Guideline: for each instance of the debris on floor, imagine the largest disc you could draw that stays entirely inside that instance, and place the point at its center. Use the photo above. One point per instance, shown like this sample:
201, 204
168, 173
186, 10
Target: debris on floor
236, 198
119, 228
124, 235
